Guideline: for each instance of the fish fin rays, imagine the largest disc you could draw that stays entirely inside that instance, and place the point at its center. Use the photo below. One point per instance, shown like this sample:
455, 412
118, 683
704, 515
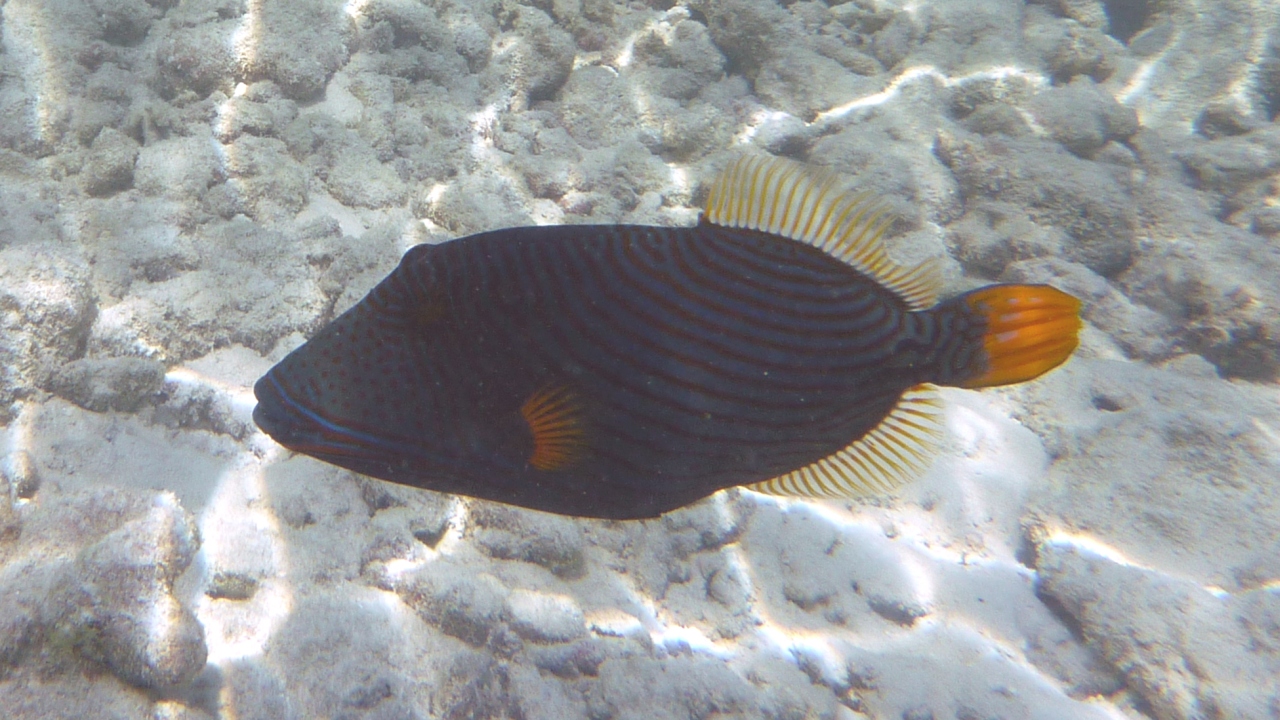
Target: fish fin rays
555, 418
1030, 329
810, 205
894, 452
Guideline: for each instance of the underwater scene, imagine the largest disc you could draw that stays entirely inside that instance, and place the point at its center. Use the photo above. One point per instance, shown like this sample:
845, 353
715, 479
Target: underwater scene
648, 360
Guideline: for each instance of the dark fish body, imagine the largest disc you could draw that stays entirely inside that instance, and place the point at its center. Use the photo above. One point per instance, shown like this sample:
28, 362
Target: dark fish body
611, 371
703, 358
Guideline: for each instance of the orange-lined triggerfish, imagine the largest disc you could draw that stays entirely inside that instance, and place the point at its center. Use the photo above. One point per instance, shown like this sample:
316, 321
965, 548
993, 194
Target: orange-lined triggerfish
621, 371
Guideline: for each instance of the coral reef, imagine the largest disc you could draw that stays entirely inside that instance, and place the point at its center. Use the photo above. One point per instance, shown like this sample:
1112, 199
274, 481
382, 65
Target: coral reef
188, 188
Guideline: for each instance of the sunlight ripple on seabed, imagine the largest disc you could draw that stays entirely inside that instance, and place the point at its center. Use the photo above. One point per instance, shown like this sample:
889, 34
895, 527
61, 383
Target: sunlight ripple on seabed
895, 87
663, 26
1089, 545
802, 647
246, 40
37, 61
240, 507
1139, 83
16, 443
639, 614
928, 71
396, 570
241, 531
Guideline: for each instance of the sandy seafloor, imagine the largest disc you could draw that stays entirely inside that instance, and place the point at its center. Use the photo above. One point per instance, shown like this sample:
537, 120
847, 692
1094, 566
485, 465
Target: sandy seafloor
188, 188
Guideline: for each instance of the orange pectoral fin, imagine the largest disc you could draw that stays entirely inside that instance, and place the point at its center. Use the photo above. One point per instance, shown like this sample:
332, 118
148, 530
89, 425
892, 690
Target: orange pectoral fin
555, 418
1031, 329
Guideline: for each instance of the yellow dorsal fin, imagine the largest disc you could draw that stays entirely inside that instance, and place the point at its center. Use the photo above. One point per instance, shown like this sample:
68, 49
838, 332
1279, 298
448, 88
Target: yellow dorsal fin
554, 415
810, 205
897, 450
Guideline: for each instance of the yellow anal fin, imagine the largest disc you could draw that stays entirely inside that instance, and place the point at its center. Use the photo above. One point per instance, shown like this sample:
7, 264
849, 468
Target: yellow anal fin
894, 452
555, 419
810, 205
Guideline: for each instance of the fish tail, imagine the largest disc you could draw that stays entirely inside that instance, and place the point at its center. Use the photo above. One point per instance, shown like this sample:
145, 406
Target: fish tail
1025, 331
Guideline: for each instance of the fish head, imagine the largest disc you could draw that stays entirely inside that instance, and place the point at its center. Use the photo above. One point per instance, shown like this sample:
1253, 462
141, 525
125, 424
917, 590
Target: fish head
338, 396
384, 390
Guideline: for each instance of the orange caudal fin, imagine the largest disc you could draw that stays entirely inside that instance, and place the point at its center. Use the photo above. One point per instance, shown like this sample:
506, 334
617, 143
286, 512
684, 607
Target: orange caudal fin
1030, 329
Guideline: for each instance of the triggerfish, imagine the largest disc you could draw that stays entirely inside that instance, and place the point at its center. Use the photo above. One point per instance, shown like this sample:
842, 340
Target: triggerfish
621, 371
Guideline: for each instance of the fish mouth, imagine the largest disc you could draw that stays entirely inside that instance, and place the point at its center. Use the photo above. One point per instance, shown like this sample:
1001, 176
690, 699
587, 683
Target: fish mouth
305, 430
301, 429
